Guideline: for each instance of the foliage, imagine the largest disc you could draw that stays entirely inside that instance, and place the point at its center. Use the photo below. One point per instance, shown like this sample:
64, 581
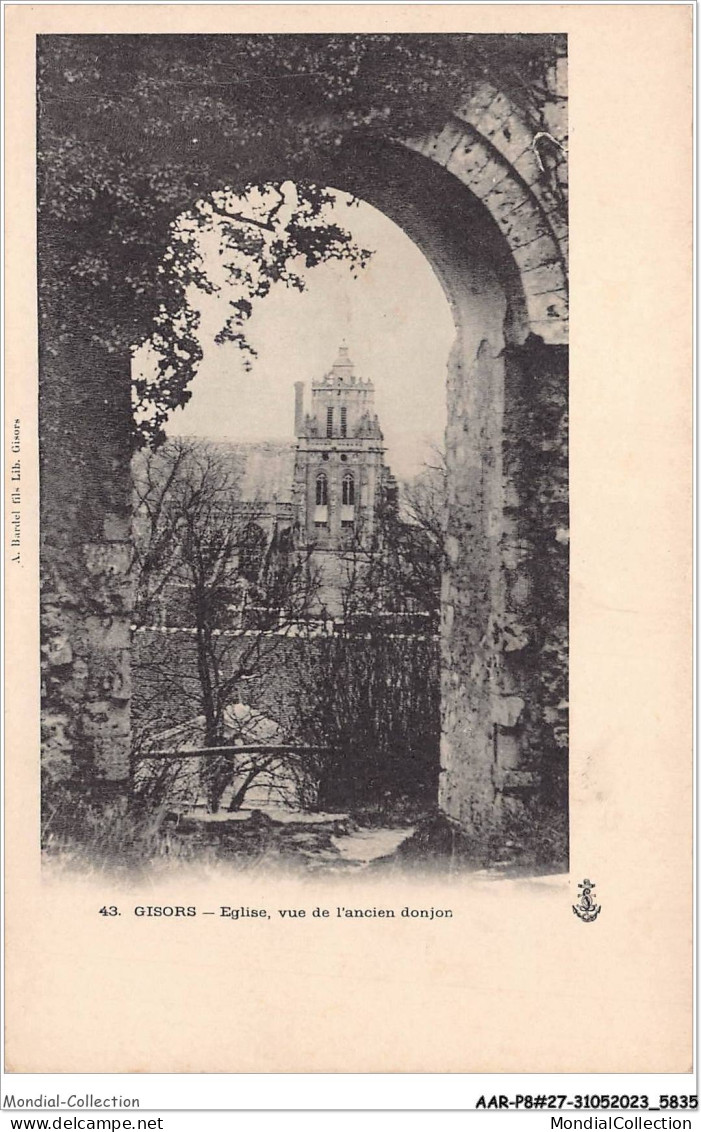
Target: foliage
136, 131
375, 701
537, 461
264, 236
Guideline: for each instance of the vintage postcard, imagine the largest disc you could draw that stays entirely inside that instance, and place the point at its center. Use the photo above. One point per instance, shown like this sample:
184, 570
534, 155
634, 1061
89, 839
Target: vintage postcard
348, 638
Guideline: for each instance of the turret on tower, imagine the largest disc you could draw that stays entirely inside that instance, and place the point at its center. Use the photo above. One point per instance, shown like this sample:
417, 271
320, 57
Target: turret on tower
340, 471
343, 405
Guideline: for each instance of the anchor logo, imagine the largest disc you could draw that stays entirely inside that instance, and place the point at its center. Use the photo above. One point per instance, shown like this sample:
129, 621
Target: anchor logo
586, 909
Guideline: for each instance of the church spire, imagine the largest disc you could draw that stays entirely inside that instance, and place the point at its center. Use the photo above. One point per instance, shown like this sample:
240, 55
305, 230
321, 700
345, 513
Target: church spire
343, 368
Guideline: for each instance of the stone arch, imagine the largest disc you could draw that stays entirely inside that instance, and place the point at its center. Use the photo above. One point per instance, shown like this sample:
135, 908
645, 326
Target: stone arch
487, 223
514, 206
505, 583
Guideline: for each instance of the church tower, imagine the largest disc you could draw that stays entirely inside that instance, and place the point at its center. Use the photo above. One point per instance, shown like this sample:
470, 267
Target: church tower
340, 473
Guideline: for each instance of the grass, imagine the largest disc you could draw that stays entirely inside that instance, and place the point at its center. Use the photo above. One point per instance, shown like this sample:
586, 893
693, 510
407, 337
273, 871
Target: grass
98, 832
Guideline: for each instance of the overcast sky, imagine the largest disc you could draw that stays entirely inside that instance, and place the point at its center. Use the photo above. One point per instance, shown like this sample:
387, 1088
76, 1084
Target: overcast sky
394, 318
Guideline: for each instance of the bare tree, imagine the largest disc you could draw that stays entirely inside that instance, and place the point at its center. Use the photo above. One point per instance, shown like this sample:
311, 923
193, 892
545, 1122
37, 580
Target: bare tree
235, 586
424, 500
395, 568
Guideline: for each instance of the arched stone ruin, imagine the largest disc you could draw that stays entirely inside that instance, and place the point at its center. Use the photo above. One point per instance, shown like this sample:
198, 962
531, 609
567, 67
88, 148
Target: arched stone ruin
485, 199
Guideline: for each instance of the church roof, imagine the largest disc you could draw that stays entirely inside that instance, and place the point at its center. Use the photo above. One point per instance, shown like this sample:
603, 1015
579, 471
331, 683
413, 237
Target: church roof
266, 468
343, 362
342, 372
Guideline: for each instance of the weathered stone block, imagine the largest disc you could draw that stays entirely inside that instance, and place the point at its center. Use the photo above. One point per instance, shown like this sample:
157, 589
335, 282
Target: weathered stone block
74, 689
108, 634
54, 730
556, 77
107, 558
439, 146
506, 196
518, 782
525, 225
111, 757
554, 332
557, 220
513, 138
491, 175
547, 191
54, 615
549, 277
98, 717
57, 746
105, 723
550, 307
516, 638
536, 254
447, 618
507, 710
59, 651
508, 756
491, 119
468, 159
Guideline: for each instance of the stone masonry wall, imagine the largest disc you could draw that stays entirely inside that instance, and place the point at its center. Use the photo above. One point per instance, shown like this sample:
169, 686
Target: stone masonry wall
505, 685
85, 556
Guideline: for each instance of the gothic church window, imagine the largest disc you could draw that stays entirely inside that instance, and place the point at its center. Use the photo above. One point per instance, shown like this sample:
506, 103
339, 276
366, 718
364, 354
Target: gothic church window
329, 421
348, 490
322, 490
344, 421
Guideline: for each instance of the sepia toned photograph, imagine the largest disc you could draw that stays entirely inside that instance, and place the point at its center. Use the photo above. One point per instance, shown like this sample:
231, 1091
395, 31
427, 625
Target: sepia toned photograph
303, 396
348, 677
